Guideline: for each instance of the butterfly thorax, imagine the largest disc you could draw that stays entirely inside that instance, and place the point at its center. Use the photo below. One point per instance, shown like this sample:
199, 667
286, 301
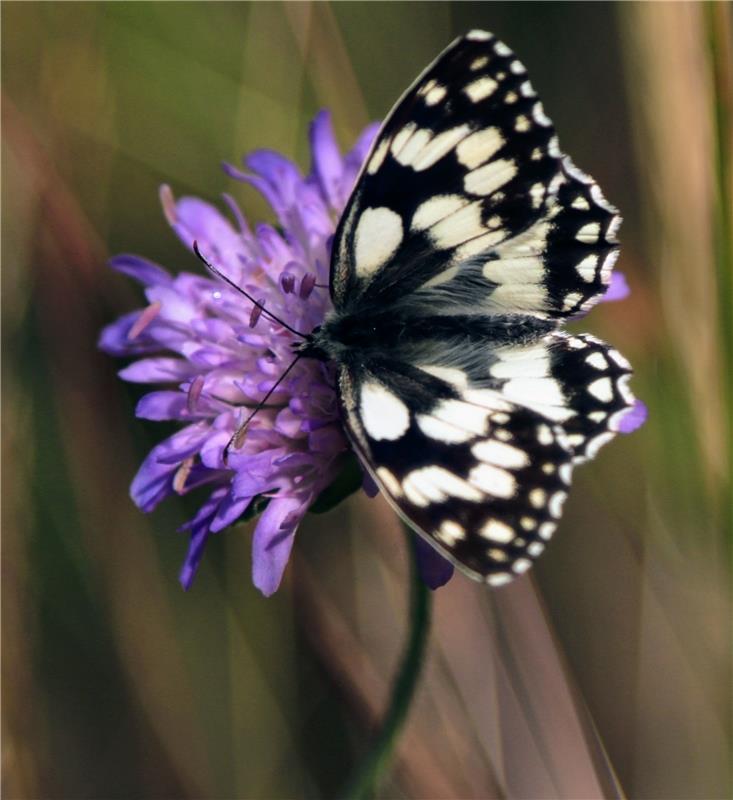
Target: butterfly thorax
347, 337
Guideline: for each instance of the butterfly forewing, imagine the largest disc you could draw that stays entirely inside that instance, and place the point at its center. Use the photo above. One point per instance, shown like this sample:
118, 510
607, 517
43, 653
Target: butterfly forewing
465, 160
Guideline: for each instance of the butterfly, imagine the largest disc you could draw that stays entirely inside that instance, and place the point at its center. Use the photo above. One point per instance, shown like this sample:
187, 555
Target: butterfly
468, 240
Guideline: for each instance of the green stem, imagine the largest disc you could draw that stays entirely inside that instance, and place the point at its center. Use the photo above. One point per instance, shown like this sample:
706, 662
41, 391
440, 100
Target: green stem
377, 762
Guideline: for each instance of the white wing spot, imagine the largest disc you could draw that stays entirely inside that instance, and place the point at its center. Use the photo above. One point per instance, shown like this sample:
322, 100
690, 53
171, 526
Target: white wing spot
498, 579
538, 497
497, 555
435, 209
619, 359
480, 244
497, 531
510, 98
452, 375
439, 146
535, 549
528, 523
555, 504
436, 484
517, 67
477, 35
594, 445
602, 389
502, 50
462, 225
492, 176
493, 480
587, 268
544, 435
479, 147
588, 234
539, 116
526, 270
500, 454
566, 472
383, 414
377, 159
477, 63
450, 532
400, 139
435, 95
571, 300
522, 124
389, 481
442, 431
547, 529
521, 565
537, 194
534, 391
378, 235
414, 146
597, 360
548, 468
480, 89
581, 203
462, 415
597, 416
526, 90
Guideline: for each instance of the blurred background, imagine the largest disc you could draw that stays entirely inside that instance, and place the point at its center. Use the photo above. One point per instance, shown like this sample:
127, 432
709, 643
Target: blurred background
604, 673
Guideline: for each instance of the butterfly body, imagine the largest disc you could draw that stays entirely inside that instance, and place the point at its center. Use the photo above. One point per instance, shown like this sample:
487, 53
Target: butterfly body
467, 241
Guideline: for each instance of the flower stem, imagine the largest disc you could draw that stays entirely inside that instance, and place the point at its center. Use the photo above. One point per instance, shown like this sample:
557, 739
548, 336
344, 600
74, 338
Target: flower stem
375, 765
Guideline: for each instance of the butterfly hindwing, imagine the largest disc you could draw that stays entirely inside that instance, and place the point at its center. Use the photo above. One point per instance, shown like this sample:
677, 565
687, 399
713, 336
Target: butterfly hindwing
481, 478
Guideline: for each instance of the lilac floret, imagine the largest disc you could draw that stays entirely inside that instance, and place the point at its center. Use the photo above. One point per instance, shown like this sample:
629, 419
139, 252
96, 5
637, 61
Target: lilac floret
216, 359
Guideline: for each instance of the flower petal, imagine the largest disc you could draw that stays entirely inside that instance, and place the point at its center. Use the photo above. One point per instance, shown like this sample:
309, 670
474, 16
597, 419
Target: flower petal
634, 418
618, 288
141, 269
328, 166
273, 540
434, 570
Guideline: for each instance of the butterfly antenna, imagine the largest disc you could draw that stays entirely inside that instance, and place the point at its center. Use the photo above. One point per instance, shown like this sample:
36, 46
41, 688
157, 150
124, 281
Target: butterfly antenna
219, 274
236, 440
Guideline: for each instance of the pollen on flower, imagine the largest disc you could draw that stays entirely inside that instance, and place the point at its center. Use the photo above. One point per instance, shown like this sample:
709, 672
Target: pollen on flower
217, 355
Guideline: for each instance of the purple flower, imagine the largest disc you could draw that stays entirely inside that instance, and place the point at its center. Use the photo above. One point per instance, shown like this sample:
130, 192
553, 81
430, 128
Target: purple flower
219, 355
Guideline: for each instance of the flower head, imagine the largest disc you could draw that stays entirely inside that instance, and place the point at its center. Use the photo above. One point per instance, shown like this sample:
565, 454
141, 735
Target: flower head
221, 355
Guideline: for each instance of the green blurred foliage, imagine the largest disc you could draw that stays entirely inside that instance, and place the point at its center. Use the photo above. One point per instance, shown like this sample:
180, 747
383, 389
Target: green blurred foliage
118, 684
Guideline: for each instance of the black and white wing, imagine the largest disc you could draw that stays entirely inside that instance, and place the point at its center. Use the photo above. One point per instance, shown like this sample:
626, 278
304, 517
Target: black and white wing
478, 455
466, 201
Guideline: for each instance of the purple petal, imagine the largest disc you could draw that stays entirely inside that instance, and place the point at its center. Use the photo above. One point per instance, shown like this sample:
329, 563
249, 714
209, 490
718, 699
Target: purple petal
140, 269
634, 418
434, 570
327, 163
273, 541
115, 341
618, 288
200, 532
228, 512
154, 370
162, 405
195, 220
153, 480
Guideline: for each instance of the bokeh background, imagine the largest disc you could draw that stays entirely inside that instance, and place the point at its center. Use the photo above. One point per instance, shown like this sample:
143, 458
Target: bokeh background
604, 673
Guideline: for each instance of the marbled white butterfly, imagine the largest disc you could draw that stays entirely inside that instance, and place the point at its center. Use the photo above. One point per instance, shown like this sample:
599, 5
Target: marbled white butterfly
468, 239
